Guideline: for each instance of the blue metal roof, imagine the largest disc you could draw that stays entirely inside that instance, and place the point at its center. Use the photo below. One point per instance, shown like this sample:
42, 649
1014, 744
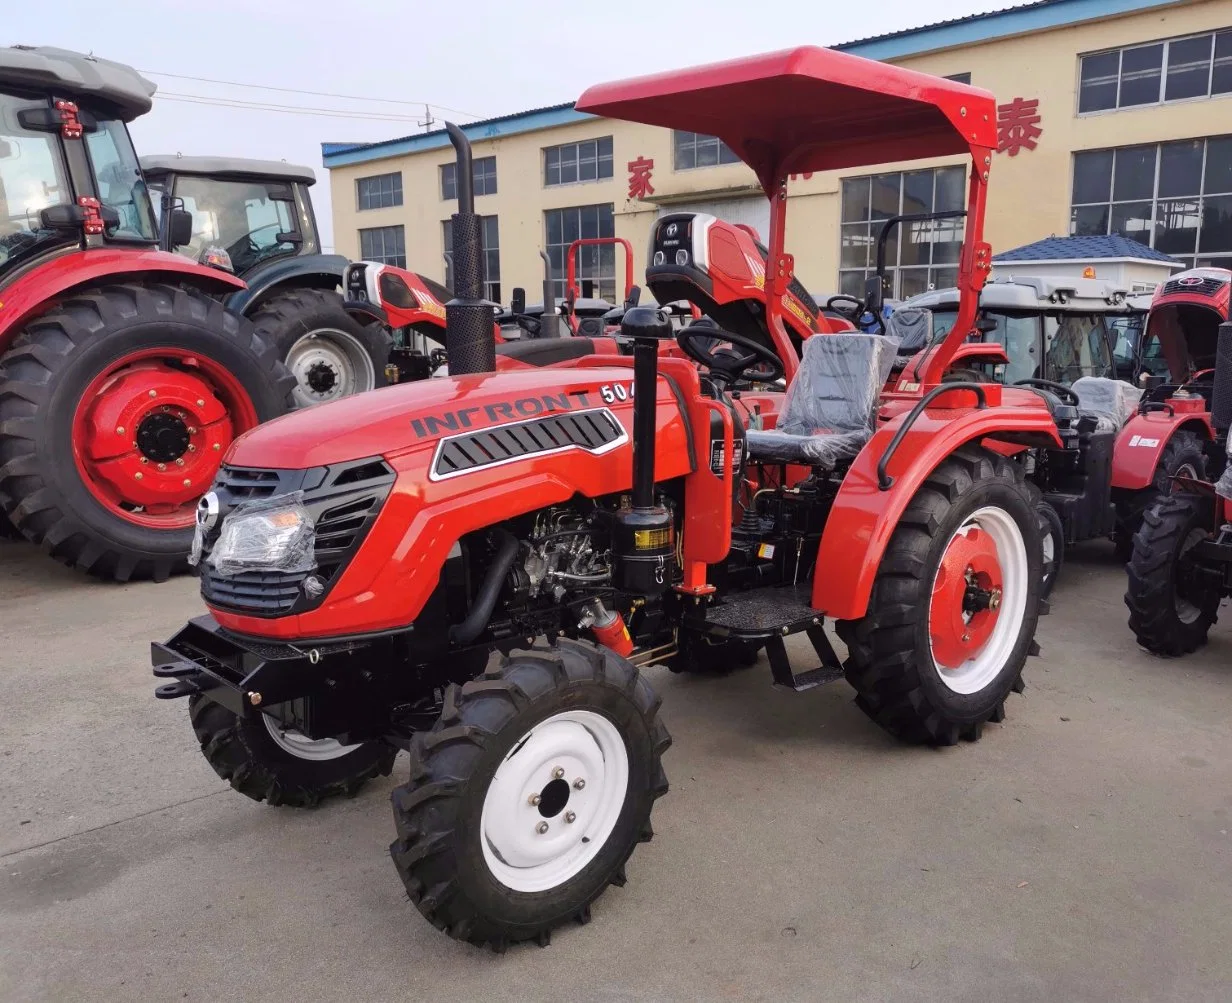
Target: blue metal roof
973, 29
1083, 249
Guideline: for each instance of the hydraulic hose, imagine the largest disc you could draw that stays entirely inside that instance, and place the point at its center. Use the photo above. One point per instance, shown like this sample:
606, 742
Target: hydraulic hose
485, 600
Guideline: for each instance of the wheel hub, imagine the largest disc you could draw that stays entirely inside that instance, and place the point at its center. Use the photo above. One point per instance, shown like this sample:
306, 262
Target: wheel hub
554, 801
163, 436
966, 599
321, 378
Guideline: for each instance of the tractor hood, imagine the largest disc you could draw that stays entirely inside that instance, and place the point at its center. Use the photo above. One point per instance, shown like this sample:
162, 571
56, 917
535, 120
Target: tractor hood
399, 419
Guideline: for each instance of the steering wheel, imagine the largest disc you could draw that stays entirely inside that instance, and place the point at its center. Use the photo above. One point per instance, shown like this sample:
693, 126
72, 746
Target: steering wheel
1201, 374
709, 348
1060, 389
855, 311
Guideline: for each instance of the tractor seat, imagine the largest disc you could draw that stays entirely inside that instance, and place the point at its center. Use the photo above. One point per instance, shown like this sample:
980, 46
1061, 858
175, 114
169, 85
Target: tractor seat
831, 405
1110, 402
912, 326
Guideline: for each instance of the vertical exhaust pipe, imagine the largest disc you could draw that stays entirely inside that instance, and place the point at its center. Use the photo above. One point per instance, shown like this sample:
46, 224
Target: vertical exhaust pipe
468, 317
549, 324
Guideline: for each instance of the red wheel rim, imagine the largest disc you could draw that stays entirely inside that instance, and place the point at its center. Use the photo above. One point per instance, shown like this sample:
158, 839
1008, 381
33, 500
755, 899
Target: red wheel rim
966, 598
150, 432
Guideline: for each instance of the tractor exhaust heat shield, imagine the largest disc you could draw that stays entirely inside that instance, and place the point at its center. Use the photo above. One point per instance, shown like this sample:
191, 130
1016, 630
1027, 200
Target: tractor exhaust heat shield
468, 316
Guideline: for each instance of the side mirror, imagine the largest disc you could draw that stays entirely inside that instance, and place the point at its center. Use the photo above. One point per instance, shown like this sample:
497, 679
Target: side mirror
180, 227
986, 325
874, 295
635, 297
517, 301
289, 237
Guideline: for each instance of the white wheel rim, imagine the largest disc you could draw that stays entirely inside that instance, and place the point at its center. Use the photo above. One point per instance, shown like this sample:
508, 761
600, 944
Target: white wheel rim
528, 851
301, 746
979, 671
332, 356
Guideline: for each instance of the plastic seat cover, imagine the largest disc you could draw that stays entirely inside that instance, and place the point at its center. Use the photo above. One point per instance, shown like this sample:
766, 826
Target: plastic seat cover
1110, 402
830, 407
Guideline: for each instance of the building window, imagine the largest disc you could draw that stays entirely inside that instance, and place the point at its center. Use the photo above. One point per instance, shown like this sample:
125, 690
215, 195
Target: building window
1175, 69
483, 171
380, 192
1174, 197
919, 256
590, 160
383, 244
692, 149
490, 239
596, 266
959, 78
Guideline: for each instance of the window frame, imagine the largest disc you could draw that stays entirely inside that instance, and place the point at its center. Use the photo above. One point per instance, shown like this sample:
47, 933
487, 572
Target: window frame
491, 255
395, 192
700, 138
1164, 68
596, 263
397, 230
600, 158
482, 180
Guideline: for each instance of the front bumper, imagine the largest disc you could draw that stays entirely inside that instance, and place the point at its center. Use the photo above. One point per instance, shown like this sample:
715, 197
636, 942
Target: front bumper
238, 673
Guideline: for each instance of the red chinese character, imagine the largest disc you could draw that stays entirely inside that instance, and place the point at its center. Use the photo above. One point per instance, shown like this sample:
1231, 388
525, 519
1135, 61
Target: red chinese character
1018, 126
639, 178
806, 175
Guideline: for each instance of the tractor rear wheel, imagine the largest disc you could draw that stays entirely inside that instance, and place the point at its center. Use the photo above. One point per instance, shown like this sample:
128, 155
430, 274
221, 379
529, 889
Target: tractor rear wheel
529, 794
1171, 608
1184, 456
116, 407
267, 762
330, 354
954, 606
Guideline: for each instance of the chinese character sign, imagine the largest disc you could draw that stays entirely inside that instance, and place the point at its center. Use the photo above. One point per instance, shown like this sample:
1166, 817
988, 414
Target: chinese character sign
806, 175
1018, 126
639, 178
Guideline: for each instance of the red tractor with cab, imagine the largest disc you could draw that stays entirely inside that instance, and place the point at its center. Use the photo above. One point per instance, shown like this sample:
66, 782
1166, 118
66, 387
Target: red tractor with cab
123, 379
473, 567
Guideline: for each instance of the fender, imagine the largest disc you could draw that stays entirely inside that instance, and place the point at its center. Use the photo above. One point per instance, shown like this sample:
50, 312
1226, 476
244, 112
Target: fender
389, 580
990, 351
863, 518
365, 312
34, 291
1141, 443
316, 271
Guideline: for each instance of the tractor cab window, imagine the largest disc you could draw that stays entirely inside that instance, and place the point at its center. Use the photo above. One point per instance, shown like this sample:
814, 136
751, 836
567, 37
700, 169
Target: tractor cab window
1018, 334
1126, 332
32, 178
244, 218
121, 186
1075, 345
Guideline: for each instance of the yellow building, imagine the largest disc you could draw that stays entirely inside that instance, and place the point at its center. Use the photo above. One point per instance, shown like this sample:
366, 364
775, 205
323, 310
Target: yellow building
1115, 116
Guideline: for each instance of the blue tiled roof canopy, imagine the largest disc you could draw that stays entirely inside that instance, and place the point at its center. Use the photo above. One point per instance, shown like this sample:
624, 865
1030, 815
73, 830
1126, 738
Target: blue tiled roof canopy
1083, 249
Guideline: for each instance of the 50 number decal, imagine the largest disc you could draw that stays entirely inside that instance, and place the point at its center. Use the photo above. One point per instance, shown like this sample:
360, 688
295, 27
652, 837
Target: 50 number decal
612, 392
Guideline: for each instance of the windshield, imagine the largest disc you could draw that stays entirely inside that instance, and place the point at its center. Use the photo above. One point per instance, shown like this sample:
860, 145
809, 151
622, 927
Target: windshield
1126, 331
244, 218
32, 179
1018, 334
1075, 345
120, 184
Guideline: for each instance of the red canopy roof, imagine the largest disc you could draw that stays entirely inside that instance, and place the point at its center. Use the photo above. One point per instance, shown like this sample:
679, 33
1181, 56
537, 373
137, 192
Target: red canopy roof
807, 109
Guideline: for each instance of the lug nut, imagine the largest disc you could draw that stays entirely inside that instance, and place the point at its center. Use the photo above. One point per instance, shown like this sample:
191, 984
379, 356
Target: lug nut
138, 475
558, 773
570, 816
179, 463
145, 459
192, 430
579, 783
200, 403
162, 466
966, 637
217, 446
541, 828
120, 430
153, 393
187, 482
192, 448
533, 800
254, 698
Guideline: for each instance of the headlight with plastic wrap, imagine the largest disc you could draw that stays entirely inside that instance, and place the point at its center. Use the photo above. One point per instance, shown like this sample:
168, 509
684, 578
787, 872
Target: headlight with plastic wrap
271, 535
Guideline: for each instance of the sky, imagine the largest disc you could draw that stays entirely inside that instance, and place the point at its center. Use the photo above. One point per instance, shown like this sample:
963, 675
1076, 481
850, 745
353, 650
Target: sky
382, 60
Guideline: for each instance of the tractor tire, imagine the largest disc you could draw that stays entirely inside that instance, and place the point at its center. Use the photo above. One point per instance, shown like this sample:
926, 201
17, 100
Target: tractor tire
330, 354
168, 362
266, 763
917, 669
1182, 455
7, 530
1168, 613
1052, 547
486, 848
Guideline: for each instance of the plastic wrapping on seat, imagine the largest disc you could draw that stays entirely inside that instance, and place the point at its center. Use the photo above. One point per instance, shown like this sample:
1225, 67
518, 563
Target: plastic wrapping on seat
1223, 486
830, 407
1111, 402
912, 326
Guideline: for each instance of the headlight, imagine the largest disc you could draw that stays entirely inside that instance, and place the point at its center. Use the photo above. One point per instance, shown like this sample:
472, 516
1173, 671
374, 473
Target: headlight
273, 534
682, 257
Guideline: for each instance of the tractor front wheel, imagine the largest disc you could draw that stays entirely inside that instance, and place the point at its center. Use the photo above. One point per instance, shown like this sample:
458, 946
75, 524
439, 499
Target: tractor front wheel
529, 794
1183, 456
266, 761
330, 354
116, 407
1172, 605
954, 606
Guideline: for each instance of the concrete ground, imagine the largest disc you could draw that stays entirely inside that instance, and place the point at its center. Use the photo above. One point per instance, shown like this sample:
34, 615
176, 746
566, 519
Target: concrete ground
1081, 851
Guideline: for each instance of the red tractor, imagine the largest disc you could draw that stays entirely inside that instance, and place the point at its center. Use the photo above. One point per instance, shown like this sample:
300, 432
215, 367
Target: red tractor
474, 567
123, 380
